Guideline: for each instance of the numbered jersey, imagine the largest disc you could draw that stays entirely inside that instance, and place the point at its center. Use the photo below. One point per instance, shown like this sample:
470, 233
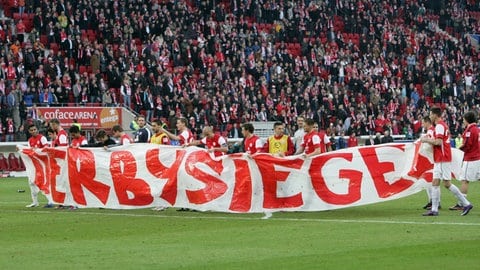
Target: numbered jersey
443, 152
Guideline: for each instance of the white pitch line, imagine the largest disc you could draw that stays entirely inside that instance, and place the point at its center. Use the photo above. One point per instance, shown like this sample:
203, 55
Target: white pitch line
320, 220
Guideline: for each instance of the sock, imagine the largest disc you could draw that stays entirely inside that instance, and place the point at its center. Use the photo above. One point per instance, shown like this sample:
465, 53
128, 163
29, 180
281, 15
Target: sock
34, 198
435, 191
429, 193
460, 202
459, 195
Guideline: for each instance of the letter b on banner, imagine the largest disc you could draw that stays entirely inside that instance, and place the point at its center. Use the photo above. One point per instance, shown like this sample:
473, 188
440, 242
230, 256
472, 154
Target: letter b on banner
130, 190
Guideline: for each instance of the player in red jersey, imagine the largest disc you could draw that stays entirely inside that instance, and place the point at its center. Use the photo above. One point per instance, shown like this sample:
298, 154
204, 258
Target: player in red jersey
442, 157
215, 143
185, 136
61, 138
325, 144
77, 138
36, 140
121, 136
311, 144
429, 132
251, 143
471, 158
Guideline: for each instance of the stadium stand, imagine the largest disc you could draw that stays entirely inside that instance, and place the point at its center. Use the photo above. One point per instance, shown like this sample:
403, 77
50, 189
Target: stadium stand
361, 66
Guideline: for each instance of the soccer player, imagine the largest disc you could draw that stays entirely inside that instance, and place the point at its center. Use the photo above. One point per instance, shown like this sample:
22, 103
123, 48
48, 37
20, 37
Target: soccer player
102, 140
251, 143
311, 143
143, 133
61, 138
299, 133
442, 156
185, 135
279, 144
158, 136
429, 133
77, 138
36, 140
215, 143
471, 158
121, 136
325, 143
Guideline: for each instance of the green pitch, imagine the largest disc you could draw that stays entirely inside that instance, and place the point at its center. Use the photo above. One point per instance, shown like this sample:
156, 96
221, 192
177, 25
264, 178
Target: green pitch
391, 235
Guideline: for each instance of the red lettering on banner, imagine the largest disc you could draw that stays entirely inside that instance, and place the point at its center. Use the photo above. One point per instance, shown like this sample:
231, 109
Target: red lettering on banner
83, 174
242, 192
52, 170
320, 186
123, 168
155, 167
420, 165
270, 177
40, 177
378, 170
214, 186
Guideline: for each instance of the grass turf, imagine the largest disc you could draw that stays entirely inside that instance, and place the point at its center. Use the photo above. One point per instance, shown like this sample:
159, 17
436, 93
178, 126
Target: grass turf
390, 235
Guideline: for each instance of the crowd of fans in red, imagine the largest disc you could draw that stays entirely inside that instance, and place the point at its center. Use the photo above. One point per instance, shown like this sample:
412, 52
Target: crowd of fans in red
353, 66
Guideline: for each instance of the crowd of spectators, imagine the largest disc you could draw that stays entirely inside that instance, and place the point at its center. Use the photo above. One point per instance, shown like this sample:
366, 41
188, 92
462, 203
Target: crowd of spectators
353, 66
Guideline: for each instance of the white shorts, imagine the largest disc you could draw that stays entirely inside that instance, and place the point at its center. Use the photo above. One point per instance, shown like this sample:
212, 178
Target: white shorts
442, 170
470, 171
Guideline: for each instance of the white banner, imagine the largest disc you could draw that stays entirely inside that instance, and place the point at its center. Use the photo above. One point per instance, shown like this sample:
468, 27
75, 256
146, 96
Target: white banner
147, 175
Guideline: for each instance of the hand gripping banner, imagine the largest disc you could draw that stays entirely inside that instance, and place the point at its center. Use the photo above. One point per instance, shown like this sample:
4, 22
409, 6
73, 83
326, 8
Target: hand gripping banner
147, 175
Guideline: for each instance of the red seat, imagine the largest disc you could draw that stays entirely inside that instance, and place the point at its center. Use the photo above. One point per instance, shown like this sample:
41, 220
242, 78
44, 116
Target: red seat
3, 163
22, 165
13, 162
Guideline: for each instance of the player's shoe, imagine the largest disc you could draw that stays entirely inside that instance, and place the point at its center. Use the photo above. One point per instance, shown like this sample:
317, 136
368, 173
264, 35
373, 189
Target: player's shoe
428, 206
467, 209
430, 213
48, 205
32, 205
456, 207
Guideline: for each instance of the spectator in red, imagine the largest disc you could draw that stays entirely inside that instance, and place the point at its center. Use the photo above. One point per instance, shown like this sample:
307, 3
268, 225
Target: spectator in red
352, 140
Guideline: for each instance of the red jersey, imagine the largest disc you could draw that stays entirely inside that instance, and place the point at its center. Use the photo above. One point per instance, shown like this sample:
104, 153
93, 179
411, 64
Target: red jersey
311, 141
76, 142
216, 141
431, 132
38, 141
125, 140
62, 139
252, 145
352, 141
471, 143
443, 152
186, 137
324, 141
